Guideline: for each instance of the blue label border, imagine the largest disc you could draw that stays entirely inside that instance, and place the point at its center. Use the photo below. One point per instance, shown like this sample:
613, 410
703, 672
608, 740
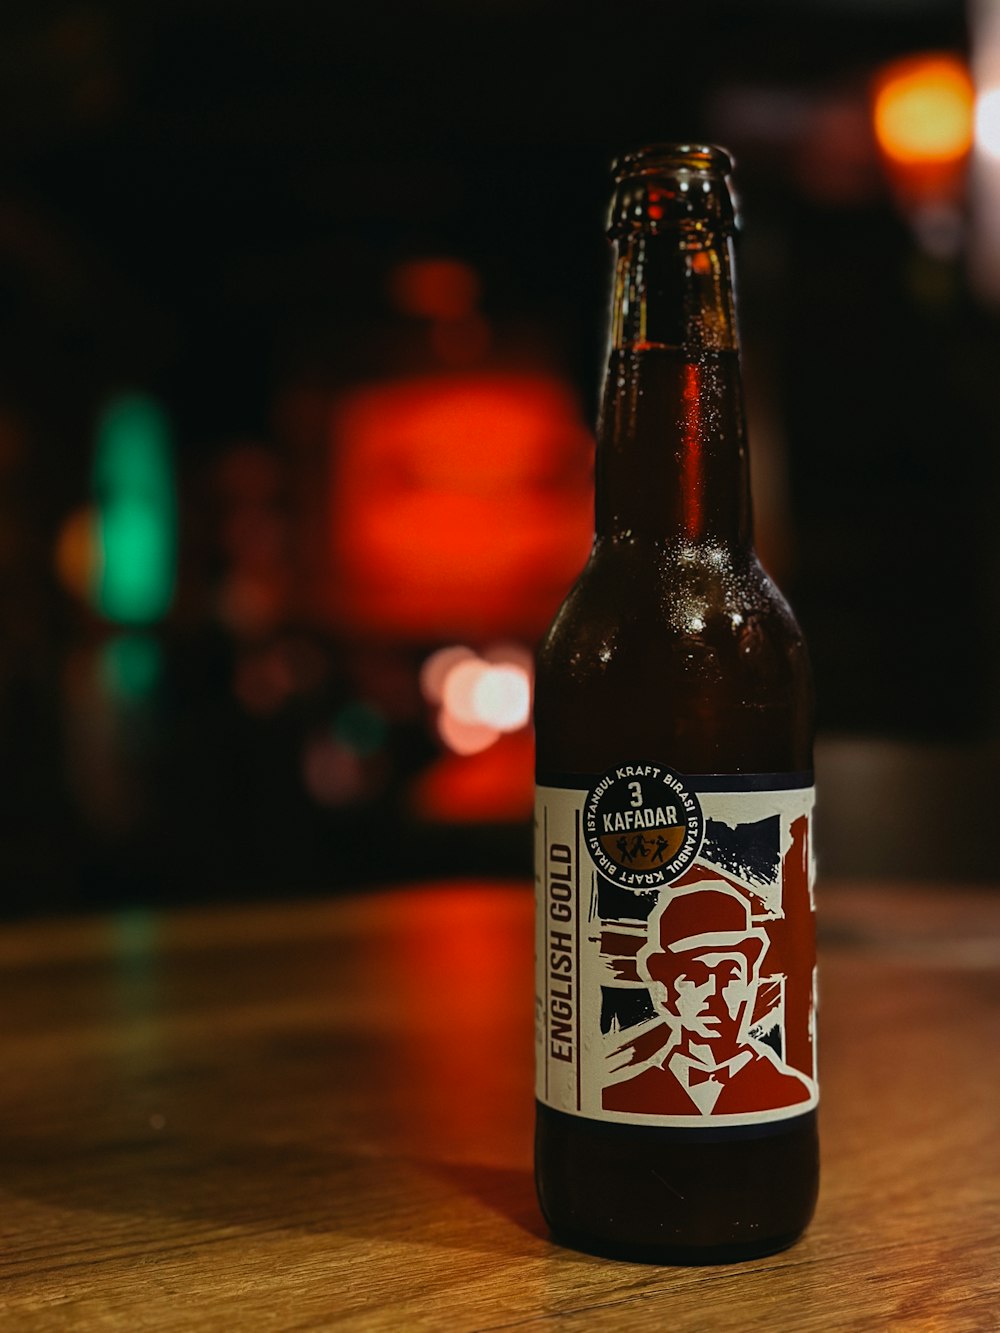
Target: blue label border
696, 782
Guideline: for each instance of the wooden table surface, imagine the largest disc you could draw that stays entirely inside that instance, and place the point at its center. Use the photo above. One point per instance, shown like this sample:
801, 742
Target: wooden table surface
318, 1115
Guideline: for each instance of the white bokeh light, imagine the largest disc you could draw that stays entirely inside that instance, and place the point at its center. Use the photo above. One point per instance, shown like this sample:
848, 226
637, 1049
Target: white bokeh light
988, 123
501, 697
434, 671
480, 697
464, 737
458, 692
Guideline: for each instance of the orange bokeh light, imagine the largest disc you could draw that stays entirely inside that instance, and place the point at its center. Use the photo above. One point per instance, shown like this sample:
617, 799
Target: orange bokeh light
923, 110
77, 552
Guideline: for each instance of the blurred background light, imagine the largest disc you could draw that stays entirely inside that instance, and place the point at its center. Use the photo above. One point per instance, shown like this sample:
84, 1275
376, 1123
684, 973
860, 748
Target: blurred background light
502, 697
263, 679
437, 668
333, 773
131, 665
444, 289
465, 737
924, 109
458, 503
361, 727
458, 694
491, 784
77, 557
136, 514
984, 238
988, 122
480, 698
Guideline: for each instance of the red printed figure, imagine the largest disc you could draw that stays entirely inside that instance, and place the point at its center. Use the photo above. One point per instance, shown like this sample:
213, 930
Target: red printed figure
702, 963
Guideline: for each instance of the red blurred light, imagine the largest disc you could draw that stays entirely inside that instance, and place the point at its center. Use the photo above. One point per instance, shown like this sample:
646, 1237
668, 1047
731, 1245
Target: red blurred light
461, 505
495, 785
510, 654
461, 342
263, 680
435, 288
333, 774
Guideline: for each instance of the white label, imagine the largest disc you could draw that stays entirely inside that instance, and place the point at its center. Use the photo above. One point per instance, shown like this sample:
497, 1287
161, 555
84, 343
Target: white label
675, 950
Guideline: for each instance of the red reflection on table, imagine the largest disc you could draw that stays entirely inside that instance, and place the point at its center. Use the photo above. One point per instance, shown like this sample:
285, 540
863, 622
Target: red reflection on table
458, 1054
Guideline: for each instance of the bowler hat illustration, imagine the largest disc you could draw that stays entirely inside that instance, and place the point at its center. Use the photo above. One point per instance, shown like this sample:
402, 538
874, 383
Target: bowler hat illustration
710, 916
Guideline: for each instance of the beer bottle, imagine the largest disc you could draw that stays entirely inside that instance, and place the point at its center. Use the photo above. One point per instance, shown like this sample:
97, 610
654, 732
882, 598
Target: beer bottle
675, 942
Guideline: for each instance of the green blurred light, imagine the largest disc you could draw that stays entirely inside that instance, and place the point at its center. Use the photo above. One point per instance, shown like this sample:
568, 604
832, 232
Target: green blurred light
131, 665
361, 728
136, 512
136, 932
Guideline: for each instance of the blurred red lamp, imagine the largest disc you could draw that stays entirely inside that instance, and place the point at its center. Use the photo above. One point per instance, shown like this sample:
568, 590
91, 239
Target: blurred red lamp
460, 505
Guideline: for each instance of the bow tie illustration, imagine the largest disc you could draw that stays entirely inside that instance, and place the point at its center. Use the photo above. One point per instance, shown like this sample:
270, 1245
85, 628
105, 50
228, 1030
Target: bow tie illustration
698, 1074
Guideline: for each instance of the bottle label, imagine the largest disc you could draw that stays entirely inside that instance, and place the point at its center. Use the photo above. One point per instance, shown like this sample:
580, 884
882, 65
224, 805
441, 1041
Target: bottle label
675, 947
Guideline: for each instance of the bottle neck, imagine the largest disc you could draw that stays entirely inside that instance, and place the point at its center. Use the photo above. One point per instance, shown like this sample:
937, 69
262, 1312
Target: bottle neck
671, 456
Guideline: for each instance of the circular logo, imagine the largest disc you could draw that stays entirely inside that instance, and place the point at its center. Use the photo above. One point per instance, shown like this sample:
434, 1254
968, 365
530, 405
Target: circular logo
642, 825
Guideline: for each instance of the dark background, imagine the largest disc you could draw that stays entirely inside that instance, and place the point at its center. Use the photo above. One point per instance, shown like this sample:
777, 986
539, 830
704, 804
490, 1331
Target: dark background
206, 203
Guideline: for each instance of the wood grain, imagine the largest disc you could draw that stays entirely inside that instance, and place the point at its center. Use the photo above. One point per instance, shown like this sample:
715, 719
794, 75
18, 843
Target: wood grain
318, 1115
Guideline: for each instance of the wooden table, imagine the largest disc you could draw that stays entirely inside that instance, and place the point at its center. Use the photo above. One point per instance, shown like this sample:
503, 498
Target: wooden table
318, 1115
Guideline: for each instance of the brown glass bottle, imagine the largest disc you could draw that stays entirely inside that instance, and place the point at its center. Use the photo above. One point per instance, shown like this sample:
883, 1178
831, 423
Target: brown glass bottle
673, 648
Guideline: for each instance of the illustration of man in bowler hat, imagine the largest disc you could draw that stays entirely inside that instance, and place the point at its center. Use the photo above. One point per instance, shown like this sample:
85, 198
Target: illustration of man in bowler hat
702, 963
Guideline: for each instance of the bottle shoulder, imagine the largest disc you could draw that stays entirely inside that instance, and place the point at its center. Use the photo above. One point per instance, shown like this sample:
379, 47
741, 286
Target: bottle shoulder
698, 662
670, 599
